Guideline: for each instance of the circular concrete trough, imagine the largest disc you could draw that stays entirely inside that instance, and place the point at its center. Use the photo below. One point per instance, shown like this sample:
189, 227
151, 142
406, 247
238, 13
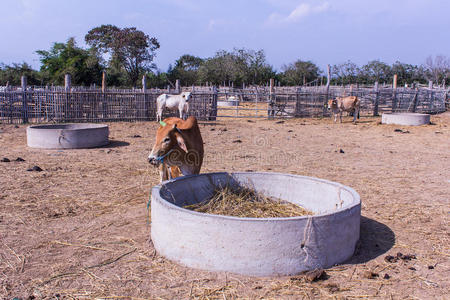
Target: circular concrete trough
256, 246
67, 136
228, 103
413, 119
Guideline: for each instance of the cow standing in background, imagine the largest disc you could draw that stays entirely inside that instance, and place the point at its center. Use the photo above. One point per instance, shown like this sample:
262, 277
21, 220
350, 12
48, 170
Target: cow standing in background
173, 102
348, 104
178, 148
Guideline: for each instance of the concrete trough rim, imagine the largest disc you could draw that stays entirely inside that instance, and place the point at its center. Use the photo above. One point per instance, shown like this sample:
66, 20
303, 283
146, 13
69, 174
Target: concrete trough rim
355, 195
405, 118
49, 126
405, 113
67, 136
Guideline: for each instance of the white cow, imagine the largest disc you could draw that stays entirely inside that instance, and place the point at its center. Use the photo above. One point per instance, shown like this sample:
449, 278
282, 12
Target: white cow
173, 102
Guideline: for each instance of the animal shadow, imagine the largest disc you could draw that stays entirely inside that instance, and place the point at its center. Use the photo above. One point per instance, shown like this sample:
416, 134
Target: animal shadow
375, 239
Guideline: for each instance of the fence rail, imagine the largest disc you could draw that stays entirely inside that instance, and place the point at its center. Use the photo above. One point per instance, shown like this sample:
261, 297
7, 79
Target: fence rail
37, 105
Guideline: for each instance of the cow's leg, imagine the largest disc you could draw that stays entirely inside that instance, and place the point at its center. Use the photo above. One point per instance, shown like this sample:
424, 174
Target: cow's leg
159, 114
340, 117
163, 172
180, 108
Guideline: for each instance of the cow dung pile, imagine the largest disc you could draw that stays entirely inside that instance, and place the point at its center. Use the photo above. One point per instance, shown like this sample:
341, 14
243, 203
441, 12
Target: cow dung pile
246, 203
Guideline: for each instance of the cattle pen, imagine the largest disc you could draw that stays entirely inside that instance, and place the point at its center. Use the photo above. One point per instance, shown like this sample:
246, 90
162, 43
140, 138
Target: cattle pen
82, 104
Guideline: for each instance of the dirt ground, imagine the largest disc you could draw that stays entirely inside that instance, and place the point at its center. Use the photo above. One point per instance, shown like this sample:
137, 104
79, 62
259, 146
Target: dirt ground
80, 228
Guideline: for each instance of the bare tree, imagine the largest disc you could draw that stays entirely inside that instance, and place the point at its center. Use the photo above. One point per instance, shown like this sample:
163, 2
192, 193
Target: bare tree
437, 69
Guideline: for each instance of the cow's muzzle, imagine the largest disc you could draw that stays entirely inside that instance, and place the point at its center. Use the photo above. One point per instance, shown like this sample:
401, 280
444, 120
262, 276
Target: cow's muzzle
153, 161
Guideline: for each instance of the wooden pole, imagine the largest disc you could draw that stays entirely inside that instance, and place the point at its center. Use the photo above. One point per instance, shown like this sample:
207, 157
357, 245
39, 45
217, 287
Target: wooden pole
394, 93
213, 115
271, 110
375, 105
430, 84
177, 86
144, 84
67, 83
103, 81
415, 101
23, 80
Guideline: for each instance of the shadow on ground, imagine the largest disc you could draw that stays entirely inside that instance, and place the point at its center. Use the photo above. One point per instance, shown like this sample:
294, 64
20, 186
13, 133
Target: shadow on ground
115, 144
375, 240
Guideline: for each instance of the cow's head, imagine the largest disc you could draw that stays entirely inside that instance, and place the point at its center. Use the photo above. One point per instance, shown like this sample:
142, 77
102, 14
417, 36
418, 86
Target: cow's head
332, 103
186, 95
169, 141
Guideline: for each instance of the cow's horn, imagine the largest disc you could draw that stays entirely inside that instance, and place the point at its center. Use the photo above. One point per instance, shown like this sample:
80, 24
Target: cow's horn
162, 123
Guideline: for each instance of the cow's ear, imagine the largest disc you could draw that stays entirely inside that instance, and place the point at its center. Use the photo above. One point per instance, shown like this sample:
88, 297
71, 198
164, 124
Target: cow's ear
175, 128
181, 142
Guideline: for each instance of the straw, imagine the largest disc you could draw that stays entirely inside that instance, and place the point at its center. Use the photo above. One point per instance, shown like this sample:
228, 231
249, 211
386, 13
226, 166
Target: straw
246, 203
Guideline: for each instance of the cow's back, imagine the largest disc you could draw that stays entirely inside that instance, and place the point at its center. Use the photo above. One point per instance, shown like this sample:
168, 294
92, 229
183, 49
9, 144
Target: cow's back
349, 102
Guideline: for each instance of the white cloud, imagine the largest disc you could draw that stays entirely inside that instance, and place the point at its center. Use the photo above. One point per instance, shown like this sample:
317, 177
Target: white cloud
299, 12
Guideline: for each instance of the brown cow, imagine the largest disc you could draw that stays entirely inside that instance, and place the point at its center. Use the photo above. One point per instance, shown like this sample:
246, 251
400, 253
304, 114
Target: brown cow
178, 148
340, 104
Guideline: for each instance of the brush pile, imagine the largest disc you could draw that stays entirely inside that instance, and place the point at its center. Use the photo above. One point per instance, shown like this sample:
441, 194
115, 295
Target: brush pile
246, 203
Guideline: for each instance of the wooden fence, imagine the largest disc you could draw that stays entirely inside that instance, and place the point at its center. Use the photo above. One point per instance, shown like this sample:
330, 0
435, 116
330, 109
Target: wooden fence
39, 104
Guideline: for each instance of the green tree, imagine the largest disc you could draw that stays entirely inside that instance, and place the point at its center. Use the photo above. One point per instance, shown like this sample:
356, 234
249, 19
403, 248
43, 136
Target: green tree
376, 70
239, 66
12, 74
407, 73
346, 73
298, 72
129, 50
186, 70
83, 65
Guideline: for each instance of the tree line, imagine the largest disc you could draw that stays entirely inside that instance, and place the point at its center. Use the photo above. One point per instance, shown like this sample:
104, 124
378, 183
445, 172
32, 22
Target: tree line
126, 54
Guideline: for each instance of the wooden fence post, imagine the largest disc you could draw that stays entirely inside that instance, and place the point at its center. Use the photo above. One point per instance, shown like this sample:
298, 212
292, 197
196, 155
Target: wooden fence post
23, 80
415, 100
327, 92
103, 97
377, 97
271, 110
213, 115
430, 84
103, 81
177, 86
143, 105
67, 86
394, 93
67, 83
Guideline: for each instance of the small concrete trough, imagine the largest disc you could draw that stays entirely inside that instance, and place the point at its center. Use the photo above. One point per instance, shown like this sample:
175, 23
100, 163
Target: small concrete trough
256, 246
228, 103
67, 136
408, 119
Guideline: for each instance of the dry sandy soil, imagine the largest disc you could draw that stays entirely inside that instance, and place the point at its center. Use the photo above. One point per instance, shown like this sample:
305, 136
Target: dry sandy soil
80, 228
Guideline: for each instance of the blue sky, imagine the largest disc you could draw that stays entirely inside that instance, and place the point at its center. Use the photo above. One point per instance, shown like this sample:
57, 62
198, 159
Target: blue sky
323, 31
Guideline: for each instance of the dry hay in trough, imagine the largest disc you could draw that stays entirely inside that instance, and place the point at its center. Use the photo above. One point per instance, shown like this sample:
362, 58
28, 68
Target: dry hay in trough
244, 202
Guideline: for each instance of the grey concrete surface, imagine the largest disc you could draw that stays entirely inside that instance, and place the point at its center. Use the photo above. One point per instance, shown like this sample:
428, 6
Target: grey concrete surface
256, 246
410, 119
67, 136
